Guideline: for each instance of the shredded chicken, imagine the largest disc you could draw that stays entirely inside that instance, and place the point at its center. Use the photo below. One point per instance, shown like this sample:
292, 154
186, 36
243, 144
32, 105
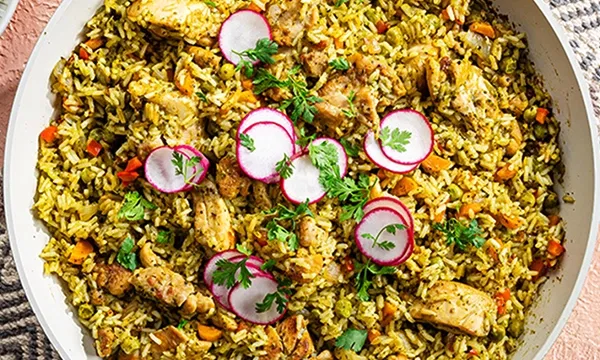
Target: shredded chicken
291, 338
232, 182
289, 18
114, 278
162, 94
212, 220
456, 307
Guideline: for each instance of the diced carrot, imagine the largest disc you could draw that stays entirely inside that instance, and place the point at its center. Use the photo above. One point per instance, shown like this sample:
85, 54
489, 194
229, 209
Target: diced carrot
348, 264
469, 210
242, 326
133, 164
388, 313
94, 44
127, 176
492, 253
247, 84
209, 333
539, 266
321, 45
261, 238
483, 28
434, 164
505, 173
553, 220
381, 174
509, 222
404, 186
373, 334
445, 15
439, 216
247, 96
49, 134
504, 295
381, 26
541, 115
254, 7
555, 248
93, 147
473, 352
81, 251
83, 54
339, 44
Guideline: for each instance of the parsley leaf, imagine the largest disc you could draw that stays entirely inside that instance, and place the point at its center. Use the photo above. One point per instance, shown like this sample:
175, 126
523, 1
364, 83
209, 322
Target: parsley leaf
247, 142
395, 139
230, 273
183, 164
275, 229
351, 111
263, 52
339, 3
280, 297
164, 236
352, 339
125, 256
268, 265
363, 275
202, 96
339, 64
351, 150
133, 207
303, 139
242, 249
460, 235
285, 167
182, 323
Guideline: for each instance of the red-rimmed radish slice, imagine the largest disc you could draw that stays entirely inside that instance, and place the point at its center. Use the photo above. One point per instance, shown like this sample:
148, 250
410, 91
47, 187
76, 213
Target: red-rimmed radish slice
342, 156
244, 301
211, 265
407, 254
161, 173
373, 223
390, 203
420, 143
240, 32
221, 292
267, 115
253, 260
304, 183
374, 153
191, 152
271, 143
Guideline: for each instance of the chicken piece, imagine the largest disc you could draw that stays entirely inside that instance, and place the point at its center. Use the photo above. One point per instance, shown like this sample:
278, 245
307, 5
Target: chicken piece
105, 342
204, 58
162, 284
114, 278
230, 178
260, 191
191, 20
315, 63
167, 339
304, 267
288, 18
148, 258
518, 104
310, 234
124, 356
457, 308
295, 337
224, 321
212, 221
324, 355
364, 66
274, 347
164, 95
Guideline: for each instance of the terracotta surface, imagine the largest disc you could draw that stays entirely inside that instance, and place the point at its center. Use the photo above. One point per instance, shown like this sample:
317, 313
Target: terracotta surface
579, 340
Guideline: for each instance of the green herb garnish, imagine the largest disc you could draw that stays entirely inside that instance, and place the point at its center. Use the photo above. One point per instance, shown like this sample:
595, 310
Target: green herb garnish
268, 265
182, 323
263, 52
247, 142
242, 249
385, 245
352, 339
210, 3
339, 64
303, 139
351, 111
126, 257
461, 235
275, 229
164, 236
226, 271
339, 3
285, 167
279, 297
202, 96
351, 150
395, 139
133, 207
183, 165
363, 281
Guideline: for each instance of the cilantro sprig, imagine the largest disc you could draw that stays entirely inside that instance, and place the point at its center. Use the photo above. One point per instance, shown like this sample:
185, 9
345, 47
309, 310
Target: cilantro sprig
395, 139
352, 339
182, 324
263, 52
276, 230
304, 139
126, 256
247, 142
164, 236
227, 273
351, 150
285, 168
351, 111
134, 207
183, 165
461, 235
279, 297
364, 273
340, 64
385, 245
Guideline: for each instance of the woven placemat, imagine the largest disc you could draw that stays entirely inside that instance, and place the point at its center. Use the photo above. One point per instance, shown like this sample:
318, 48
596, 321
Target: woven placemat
22, 337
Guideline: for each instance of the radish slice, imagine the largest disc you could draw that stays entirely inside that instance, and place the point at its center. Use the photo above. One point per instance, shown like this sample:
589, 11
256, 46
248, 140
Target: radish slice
211, 265
267, 115
271, 143
243, 301
390, 203
374, 153
160, 171
191, 152
420, 143
304, 183
221, 292
240, 32
253, 260
376, 221
342, 156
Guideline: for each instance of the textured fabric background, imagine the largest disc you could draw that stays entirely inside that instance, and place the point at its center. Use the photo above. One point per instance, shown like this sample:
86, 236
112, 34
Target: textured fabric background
22, 338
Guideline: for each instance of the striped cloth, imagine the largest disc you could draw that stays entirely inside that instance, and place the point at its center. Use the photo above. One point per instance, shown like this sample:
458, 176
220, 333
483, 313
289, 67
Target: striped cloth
22, 338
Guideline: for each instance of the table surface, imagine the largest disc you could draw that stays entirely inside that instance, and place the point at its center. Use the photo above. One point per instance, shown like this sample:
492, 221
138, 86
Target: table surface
580, 338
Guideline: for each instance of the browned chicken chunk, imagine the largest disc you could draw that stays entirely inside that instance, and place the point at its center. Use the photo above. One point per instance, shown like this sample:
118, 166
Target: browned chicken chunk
167, 339
295, 337
274, 347
105, 342
212, 220
315, 63
288, 19
456, 307
325, 355
124, 356
163, 94
163, 285
114, 278
204, 58
310, 234
232, 182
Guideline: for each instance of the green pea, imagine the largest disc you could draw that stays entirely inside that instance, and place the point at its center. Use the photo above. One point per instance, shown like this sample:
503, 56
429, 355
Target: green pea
527, 199
395, 36
508, 65
86, 311
516, 327
530, 113
227, 71
551, 201
497, 333
455, 192
343, 307
540, 132
87, 175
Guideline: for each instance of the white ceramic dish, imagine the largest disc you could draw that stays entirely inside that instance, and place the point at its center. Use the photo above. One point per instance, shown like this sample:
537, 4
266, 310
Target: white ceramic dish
554, 59
7, 9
